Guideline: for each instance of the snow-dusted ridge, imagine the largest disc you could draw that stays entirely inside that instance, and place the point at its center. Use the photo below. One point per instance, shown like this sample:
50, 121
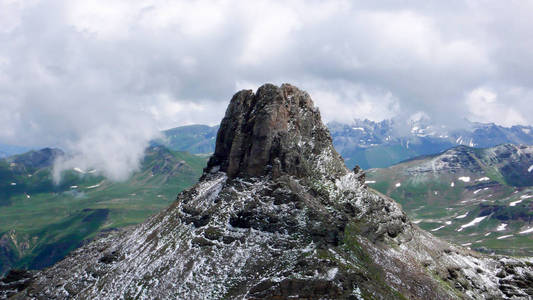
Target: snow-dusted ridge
282, 218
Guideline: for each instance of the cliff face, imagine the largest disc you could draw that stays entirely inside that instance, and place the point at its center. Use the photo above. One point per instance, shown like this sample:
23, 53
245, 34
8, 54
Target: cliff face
277, 215
272, 132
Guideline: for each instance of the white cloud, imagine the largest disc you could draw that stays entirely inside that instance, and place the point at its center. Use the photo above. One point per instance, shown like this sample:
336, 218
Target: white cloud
167, 112
112, 152
270, 25
353, 101
484, 105
70, 68
246, 85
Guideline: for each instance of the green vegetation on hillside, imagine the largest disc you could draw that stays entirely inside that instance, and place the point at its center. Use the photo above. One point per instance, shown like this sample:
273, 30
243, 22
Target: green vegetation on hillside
479, 198
41, 222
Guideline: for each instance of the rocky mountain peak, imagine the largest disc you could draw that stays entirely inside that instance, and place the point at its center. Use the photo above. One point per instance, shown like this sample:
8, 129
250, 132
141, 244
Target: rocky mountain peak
277, 215
277, 130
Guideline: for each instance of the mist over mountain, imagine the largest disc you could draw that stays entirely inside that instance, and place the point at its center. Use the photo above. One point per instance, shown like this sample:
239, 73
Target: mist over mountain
41, 221
276, 214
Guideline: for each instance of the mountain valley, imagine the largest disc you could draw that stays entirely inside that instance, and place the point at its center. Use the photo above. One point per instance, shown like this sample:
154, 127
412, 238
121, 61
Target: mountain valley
41, 222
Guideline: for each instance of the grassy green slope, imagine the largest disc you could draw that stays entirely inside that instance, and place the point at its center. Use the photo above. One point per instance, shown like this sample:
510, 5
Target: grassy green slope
499, 190
41, 222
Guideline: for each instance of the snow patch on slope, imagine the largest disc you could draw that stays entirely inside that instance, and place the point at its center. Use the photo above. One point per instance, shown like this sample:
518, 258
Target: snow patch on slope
462, 216
501, 227
527, 231
464, 179
472, 223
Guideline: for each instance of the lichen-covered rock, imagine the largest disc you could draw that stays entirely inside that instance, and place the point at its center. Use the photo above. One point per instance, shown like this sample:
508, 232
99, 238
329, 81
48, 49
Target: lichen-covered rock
276, 215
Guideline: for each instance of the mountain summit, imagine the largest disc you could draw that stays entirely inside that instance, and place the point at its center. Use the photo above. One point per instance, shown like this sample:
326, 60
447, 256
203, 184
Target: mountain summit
276, 215
273, 132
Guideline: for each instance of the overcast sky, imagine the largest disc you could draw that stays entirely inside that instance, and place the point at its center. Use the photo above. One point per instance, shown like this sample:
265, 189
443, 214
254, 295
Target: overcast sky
100, 78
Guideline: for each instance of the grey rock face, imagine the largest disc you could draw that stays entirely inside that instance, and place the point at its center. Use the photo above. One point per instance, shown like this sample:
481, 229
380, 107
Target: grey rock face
271, 132
276, 215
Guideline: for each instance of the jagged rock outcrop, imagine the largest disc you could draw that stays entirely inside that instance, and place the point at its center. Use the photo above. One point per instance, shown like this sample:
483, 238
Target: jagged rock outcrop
276, 215
273, 132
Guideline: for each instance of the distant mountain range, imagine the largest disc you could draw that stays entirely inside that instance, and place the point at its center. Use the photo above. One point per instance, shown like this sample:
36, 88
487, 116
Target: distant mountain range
365, 143
479, 198
196, 139
375, 144
380, 144
41, 222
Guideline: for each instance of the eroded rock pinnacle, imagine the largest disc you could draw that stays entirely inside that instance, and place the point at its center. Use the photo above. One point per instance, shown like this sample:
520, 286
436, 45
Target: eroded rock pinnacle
273, 131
